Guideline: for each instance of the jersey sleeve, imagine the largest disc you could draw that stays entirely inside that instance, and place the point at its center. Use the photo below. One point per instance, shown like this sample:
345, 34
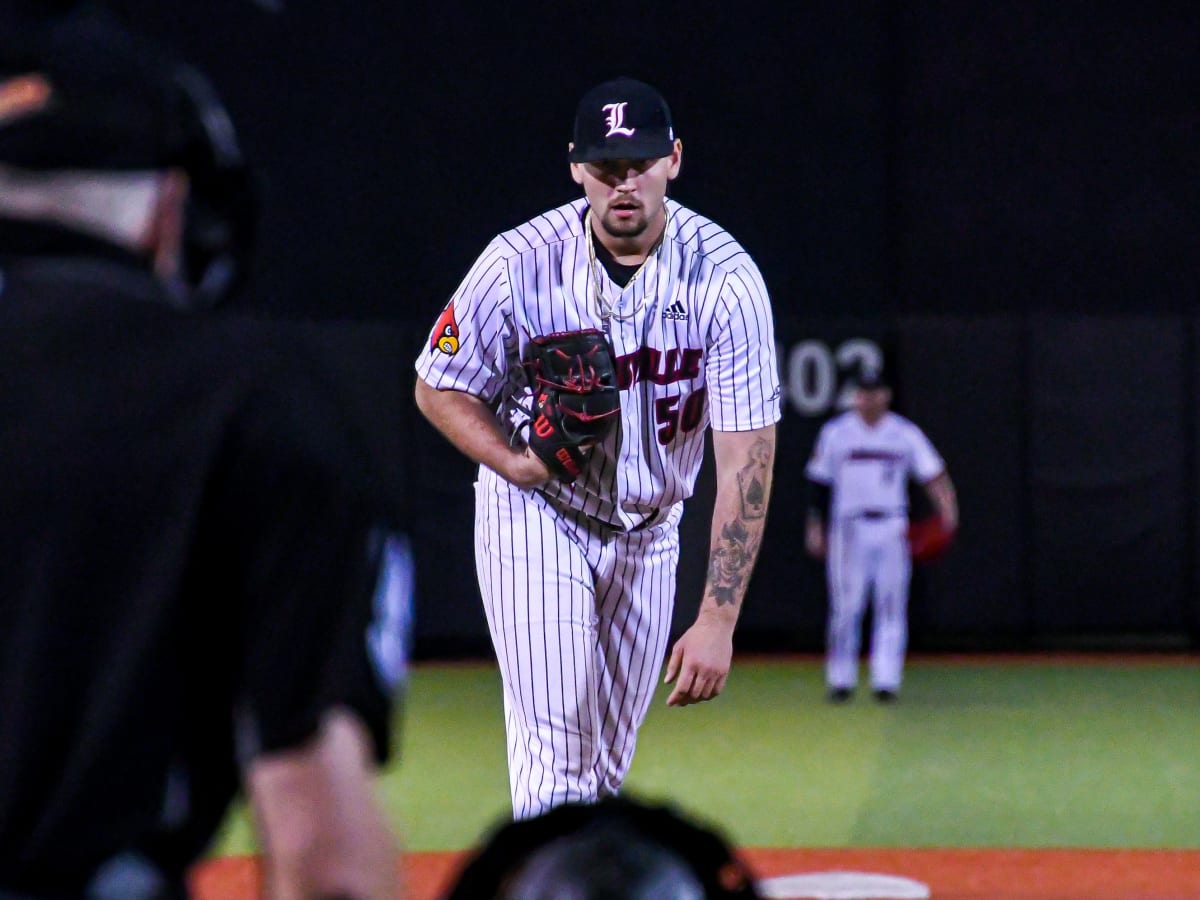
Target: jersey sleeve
742, 370
927, 464
820, 463
465, 350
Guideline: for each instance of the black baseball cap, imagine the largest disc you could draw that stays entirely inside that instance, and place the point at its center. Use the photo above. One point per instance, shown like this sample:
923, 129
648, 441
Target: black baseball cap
871, 378
622, 119
78, 91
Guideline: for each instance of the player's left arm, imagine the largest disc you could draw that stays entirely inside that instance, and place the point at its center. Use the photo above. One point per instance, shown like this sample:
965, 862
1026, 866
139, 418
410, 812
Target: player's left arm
931, 470
701, 658
944, 498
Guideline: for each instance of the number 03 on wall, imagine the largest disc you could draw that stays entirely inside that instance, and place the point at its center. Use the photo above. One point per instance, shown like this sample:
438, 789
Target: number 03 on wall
820, 378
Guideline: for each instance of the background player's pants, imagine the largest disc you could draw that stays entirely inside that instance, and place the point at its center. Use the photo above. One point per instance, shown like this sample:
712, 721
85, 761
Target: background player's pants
580, 618
867, 555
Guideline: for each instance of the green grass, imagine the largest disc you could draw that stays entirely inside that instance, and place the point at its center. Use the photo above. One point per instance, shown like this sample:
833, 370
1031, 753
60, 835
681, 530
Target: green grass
998, 754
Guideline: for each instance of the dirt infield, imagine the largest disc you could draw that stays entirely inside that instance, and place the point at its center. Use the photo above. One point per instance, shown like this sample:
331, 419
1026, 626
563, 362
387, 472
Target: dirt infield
949, 874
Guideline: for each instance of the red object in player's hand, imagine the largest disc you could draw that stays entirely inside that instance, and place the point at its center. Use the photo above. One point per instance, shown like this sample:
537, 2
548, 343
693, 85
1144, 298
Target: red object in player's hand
929, 538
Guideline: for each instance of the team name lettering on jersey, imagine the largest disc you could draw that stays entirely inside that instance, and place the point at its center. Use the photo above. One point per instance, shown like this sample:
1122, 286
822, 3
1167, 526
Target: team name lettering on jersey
649, 364
859, 454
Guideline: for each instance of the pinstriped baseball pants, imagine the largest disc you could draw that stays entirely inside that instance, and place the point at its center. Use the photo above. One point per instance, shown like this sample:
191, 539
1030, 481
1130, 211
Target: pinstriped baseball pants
867, 557
580, 618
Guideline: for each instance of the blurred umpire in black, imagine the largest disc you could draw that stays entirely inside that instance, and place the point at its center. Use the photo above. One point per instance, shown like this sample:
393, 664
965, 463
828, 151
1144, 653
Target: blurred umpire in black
197, 594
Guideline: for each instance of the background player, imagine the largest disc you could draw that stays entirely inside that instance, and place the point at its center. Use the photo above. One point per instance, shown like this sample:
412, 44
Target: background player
195, 593
578, 579
859, 473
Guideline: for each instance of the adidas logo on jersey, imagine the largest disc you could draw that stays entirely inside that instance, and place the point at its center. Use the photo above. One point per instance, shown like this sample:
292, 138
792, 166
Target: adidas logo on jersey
675, 311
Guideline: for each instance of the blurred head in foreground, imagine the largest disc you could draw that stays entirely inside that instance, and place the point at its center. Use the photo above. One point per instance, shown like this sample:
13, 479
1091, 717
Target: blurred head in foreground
617, 849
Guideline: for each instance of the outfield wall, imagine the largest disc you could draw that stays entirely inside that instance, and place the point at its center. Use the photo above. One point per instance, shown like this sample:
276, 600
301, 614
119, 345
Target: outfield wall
1072, 441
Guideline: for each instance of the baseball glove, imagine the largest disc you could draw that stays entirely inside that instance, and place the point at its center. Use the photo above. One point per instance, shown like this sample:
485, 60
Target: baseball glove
576, 402
929, 538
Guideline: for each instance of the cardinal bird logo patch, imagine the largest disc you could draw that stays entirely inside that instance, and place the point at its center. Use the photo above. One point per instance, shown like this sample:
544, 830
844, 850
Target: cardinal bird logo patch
445, 333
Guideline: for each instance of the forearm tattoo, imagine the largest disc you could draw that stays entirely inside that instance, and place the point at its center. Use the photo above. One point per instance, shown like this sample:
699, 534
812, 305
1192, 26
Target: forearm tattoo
733, 558
754, 479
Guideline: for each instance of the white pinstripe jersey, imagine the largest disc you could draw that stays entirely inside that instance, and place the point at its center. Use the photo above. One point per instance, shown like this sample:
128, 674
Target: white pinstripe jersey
698, 349
868, 467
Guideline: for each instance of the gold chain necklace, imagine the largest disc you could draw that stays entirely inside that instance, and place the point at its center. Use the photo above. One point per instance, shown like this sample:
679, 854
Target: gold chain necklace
607, 309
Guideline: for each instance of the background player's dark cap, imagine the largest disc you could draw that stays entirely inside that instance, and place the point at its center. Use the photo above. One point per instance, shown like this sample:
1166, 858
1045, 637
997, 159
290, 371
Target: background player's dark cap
871, 378
622, 119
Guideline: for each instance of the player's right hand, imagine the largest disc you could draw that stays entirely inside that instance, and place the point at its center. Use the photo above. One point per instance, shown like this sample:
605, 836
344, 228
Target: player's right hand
700, 662
526, 470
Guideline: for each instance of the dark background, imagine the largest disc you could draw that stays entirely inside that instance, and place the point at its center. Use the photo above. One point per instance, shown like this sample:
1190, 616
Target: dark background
1002, 197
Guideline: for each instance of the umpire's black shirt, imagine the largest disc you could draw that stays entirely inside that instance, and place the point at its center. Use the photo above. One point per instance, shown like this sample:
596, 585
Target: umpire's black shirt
185, 569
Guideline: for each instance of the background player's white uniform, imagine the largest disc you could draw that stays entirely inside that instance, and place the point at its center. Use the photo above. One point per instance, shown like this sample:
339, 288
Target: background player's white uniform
867, 470
578, 580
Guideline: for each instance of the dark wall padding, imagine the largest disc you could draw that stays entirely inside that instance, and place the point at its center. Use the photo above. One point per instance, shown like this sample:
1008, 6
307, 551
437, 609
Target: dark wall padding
962, 382
1107, 448
1071, 439
1039, 156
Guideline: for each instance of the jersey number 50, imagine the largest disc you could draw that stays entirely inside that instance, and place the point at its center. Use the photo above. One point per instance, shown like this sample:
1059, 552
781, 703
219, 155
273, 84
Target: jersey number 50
673, 418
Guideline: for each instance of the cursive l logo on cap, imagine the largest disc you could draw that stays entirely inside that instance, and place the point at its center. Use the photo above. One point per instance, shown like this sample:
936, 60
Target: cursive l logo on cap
616, 119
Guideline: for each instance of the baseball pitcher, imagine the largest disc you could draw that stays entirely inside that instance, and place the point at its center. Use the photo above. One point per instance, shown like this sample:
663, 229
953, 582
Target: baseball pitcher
580, 363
